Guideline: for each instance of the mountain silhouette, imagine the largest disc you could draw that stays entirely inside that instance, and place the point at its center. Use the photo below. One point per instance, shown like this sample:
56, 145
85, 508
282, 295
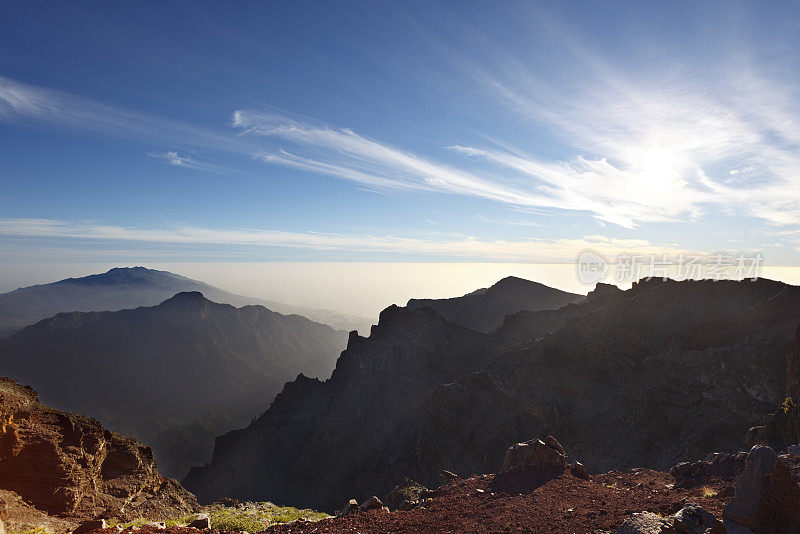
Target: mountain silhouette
171, 375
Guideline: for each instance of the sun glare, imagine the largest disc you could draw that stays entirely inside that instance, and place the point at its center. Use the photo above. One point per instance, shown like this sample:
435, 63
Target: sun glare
657, 171
658, 160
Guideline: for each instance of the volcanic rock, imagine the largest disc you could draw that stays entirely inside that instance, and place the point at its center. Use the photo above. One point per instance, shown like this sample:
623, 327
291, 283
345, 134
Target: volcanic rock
579, 470
535, 454
767, 498
68, 464
530, 464
373, 503
203, 522
351, 506
408, 492
721, 465
643, 523
693, 519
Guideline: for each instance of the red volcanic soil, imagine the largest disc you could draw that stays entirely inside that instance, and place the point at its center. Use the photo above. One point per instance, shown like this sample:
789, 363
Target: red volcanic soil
565, 504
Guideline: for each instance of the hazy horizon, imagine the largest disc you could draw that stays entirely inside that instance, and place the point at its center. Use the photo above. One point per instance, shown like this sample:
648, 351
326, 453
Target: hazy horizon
362, 289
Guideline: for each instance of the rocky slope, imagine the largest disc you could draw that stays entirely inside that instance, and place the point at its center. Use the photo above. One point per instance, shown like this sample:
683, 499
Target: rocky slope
484, 310
646, 377
130, 287
173, 375
68, 465
358, 413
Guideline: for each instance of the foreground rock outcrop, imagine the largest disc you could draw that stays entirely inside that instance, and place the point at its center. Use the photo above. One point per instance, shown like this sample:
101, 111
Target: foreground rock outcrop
68, 465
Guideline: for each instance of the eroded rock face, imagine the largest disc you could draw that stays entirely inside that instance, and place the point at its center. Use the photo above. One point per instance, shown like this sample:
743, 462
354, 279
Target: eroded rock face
68, 464
781, 429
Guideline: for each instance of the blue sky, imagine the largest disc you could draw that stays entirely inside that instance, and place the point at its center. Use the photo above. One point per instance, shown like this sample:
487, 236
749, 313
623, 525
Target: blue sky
394, 132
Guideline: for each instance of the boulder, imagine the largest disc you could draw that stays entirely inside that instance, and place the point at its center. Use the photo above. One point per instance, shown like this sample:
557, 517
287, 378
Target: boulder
408, 491
693, 519
350, 507
373, 503
530, 464
644, 523
203, 522
743, 509
407, 505
536, 455
714, 465
767, 498
579, 470
89, 526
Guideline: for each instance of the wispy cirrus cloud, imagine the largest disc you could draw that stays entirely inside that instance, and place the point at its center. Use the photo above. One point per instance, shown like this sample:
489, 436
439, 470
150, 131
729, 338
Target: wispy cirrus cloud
37, 106
343, 153
441, 246
655, 141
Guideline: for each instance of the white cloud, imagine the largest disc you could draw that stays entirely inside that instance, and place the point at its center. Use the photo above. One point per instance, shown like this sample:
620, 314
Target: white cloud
563, 250
731, 131
345, 154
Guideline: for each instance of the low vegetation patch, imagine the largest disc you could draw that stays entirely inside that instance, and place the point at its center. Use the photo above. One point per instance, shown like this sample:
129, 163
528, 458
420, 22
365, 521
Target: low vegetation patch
254, 517
249, 516
708, 492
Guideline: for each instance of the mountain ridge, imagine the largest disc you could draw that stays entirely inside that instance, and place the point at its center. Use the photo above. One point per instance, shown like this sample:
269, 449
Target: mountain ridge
648, 377
130, 287
485, 309
172, 375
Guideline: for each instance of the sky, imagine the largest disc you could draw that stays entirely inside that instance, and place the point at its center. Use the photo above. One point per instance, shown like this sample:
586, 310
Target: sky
244, 133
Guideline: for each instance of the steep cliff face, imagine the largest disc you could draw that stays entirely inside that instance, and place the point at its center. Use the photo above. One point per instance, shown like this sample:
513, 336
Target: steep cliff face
173, 375
68, 464
663, 372
319, 441
781, 428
